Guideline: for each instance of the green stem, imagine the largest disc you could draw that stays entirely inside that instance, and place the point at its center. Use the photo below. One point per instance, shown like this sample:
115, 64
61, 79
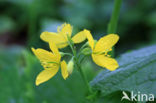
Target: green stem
66, 54
74, 51
112, 26
79, 67
85, 80
84, 46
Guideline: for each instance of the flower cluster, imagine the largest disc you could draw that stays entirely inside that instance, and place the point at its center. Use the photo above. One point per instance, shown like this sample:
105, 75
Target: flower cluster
51, 61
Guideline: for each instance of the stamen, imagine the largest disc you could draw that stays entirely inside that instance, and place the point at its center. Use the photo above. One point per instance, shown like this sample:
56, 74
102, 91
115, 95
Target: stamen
105, 53
110, 49
48, 64
108, 55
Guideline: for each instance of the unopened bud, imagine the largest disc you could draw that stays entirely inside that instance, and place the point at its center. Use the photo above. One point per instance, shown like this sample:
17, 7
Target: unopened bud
86, 51
70, 66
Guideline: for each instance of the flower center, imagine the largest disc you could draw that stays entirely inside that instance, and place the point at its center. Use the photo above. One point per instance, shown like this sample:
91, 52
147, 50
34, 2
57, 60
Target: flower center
104, 52
49, 65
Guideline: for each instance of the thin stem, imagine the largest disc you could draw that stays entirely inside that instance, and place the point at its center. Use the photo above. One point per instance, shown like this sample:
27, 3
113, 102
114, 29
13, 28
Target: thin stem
71, 46
85, 80
68, 54
112, 26
83, 46
74, 52
79, 67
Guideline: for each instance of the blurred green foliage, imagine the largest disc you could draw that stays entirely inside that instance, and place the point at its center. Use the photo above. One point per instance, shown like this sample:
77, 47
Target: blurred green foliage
18, 70
23, 21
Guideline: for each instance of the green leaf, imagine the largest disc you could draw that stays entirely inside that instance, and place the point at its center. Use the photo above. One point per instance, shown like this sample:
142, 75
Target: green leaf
18, 71
136, 73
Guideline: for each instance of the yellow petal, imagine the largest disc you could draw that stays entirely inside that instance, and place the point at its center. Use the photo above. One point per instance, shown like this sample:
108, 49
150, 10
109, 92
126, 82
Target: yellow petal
53, 48
106, 43
45, 56
62, 45
80, 37
45, 75
64, 69
59, 40
65, 30
90, 39
103, 61
52, 37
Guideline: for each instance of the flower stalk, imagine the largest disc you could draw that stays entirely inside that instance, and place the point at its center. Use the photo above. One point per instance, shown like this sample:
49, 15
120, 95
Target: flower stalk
78, 65
112, 25
85, 80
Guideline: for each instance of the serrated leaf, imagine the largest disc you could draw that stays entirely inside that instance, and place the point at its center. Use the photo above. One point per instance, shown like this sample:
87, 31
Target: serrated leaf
136, 73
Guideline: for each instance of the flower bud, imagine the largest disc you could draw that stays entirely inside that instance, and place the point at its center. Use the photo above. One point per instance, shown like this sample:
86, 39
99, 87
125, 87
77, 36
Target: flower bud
70, 66
86, 51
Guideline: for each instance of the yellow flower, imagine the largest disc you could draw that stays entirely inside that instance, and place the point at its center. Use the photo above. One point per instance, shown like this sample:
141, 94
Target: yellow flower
51, 61
60, 38
100, 50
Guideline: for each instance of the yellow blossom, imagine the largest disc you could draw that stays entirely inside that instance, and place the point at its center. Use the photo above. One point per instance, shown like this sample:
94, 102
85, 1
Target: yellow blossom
100, 50
60, 38
51, 61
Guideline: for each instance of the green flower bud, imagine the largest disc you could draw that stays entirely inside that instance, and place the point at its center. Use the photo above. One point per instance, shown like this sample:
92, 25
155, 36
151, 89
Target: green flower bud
87, 51
70, 66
